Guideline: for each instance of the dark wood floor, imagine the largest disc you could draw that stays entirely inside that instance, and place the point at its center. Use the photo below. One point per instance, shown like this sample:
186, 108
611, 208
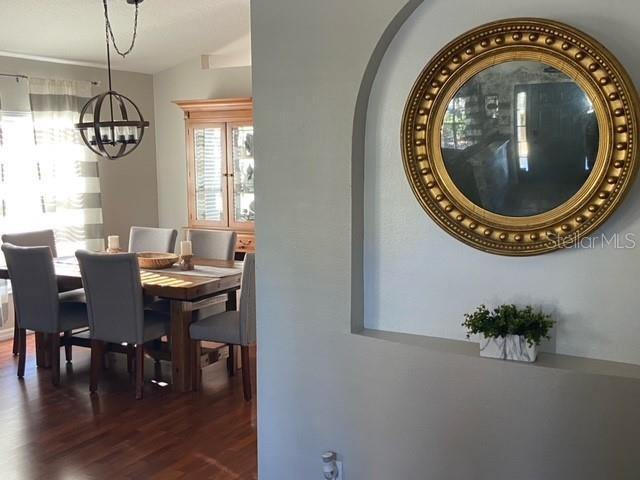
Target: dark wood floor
65, 433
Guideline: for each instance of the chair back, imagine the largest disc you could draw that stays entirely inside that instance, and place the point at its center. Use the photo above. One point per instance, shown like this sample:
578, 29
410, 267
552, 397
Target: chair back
35, 289
39, 238
213, 244
248, 301
114, 296
149, 239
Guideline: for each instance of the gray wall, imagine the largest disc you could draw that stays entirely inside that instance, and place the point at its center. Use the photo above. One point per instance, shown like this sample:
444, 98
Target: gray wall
185, 82
392, 409
129, 192
590, 291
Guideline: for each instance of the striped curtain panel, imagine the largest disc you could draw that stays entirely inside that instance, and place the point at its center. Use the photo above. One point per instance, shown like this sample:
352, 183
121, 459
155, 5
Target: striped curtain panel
7, 315
64, 169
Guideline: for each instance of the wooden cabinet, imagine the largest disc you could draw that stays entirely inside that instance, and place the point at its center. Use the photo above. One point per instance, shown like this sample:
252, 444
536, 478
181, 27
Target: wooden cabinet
221, 167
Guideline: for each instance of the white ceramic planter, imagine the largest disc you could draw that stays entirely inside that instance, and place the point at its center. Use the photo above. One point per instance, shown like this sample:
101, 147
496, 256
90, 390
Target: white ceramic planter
511, 347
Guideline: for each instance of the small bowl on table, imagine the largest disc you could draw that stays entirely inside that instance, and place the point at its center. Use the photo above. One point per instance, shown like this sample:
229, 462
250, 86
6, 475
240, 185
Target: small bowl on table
156, 260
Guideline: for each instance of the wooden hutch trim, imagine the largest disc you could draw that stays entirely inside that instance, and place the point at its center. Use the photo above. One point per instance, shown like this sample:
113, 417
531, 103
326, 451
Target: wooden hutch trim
227, 109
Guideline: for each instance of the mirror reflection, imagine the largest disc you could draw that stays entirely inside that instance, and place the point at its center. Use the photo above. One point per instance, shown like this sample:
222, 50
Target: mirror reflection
520, 138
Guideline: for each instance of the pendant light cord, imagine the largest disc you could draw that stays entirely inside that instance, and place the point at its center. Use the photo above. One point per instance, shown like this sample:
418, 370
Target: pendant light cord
109, 34
110, 31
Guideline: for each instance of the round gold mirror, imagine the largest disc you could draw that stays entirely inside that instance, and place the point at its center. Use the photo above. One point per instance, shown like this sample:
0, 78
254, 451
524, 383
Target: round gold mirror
519, 136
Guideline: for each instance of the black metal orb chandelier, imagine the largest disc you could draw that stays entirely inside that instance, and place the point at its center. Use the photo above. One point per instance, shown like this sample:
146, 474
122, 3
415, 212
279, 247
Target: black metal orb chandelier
118, 131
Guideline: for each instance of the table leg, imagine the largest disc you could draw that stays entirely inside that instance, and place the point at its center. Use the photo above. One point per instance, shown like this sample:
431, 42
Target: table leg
181, 348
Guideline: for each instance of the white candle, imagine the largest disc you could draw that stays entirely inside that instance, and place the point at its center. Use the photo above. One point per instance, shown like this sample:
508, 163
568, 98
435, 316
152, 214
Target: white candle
185, 247
113, 242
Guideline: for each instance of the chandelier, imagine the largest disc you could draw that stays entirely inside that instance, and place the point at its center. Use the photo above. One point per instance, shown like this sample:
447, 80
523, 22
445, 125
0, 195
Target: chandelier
118, 131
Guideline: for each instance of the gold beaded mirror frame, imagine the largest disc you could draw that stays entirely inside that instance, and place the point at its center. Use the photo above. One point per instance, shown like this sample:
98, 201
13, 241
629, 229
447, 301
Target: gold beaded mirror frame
562, 51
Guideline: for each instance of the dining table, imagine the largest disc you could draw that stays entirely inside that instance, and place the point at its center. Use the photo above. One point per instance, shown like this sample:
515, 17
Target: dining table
185, 291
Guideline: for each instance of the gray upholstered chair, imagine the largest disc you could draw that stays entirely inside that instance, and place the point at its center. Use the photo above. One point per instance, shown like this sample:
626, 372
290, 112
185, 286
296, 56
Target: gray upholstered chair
236, 327
149, 239
214, 245
43, 238
218, 244
116, 311
37, 305
40, 238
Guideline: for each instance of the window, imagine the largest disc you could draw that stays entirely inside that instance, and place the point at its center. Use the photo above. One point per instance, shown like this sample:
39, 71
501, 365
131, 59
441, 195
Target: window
208, 157
20, 208
47, 185
455, 125
521, 131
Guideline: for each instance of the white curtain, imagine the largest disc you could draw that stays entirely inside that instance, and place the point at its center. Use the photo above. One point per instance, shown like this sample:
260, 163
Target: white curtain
48, 177
7, 315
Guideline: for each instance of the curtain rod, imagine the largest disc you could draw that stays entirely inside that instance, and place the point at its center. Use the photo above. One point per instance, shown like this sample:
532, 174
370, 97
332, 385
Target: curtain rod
26, 77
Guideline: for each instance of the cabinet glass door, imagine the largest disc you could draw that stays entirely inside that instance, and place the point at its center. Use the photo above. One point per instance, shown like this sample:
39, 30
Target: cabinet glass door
243, 167
209, 171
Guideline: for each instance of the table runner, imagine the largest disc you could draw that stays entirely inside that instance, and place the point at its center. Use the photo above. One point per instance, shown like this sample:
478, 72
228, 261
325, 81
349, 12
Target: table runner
199, 271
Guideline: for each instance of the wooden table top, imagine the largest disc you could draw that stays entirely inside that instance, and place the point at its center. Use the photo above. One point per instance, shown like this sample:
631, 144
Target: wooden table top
158, 283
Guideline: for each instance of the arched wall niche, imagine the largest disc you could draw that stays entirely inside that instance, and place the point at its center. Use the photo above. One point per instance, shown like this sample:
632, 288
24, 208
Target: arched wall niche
358, 163
409, 276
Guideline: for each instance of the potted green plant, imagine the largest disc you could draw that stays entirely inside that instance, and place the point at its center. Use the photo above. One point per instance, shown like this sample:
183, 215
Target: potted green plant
508, 332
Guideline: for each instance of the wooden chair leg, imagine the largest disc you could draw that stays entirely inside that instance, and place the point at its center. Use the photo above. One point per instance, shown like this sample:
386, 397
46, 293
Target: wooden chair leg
196, 367
16, 341
22, 351
106, 362
67, 346
40, 349
131, 352
231, 361
46, 350
157, 352
97, 359
54, 348
139, 371
246, 372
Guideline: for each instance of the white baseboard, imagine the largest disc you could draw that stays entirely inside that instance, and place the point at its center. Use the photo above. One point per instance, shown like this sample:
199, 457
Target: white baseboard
6, 334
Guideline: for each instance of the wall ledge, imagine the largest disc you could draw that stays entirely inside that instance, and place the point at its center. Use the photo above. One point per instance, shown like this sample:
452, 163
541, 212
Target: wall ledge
580, 365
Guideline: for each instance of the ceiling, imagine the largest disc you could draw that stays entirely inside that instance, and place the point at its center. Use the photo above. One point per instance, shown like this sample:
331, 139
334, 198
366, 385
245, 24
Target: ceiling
169, 31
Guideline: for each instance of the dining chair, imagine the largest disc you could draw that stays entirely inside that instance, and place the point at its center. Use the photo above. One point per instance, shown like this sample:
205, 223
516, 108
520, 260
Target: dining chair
212, 245
234, 327
39, 238
150, 239
216, 244
42, 238
37, 304
116, 309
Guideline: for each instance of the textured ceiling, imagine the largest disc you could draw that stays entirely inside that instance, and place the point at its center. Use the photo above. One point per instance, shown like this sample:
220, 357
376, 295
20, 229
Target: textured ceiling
169, 31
